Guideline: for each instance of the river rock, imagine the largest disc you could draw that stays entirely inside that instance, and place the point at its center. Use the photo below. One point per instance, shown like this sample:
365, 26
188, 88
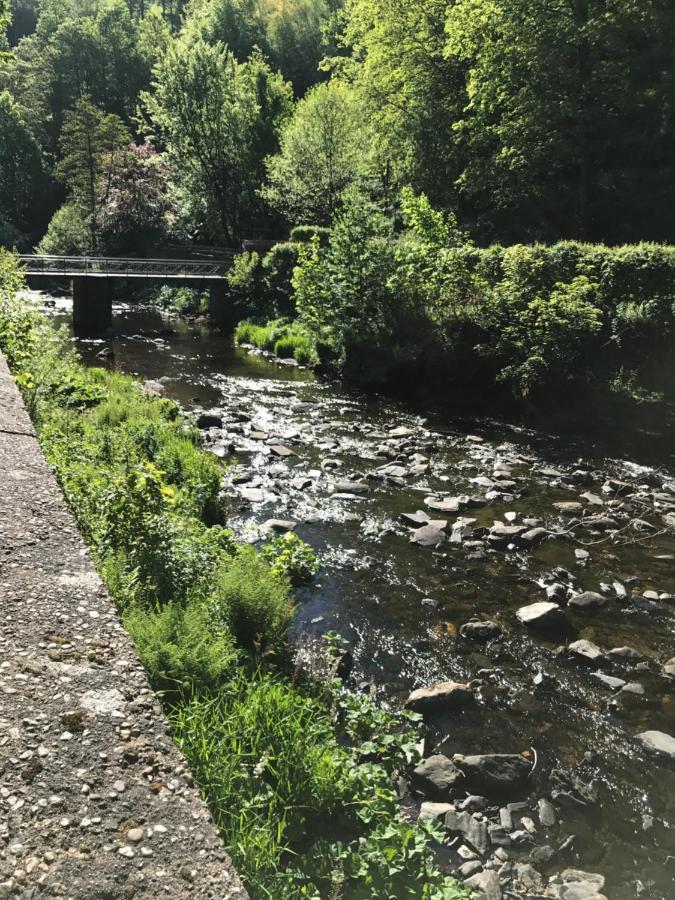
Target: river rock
586, 650
448, 504
587, 600
480, 631
446, 696
209, 420
281, 451
493, 771
434, 812
658, 742
609, 681
475, 831
546, 810
541, 615
252, 495
485, 885
415, 520
279, 526
624, 654
351, 487
669, 668
574, 884
429, 536
436, 776
533, 537
569, 507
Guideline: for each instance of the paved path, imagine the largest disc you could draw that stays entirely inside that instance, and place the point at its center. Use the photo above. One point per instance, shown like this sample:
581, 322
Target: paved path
96, 803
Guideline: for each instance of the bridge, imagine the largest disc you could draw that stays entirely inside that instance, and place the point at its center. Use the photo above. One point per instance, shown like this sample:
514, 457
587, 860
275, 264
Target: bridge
92, 278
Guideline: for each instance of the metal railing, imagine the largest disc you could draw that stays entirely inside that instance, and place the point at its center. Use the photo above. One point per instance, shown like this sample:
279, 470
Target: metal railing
111, 267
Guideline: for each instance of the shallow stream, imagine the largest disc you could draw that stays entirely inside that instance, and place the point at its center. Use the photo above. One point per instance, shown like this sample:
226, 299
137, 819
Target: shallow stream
401, 605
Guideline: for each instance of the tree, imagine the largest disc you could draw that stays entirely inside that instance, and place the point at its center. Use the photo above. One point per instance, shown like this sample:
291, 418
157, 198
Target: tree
323, 153
292, 34
94, 147
21, 174
569, 125
411, 91
217, 119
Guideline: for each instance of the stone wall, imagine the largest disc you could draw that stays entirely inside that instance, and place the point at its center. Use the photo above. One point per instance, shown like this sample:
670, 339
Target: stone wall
96, 803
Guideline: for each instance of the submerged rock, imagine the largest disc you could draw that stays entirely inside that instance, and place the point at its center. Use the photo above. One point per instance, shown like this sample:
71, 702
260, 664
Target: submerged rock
429, 536
586, 650
445, 696
480, 631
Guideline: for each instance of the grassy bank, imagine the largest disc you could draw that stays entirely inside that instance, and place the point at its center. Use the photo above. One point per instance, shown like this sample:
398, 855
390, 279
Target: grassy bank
299, 773
285, 338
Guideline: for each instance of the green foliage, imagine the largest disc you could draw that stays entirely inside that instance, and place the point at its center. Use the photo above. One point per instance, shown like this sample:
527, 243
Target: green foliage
252, 601
67, 233
217, 118
321, 155
282, 337
281, 789
180, 649
93, 147
290, 557
304, 234
182, 301
21, 172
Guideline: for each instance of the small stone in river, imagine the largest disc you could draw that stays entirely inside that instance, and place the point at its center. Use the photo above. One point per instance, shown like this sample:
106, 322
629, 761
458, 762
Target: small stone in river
619, 590
480, 631
624, 653
541, 615
609, 681
485, 885
659, 742
280, 526
474, 803
586, 650
587, 600
633, 687
581, 555
442, 697
430, 811
126, 851
474, 830
436, 776
429, 536
669, 668
469, 868
547, 815
448, 504
135, 835
568, 507
281, 450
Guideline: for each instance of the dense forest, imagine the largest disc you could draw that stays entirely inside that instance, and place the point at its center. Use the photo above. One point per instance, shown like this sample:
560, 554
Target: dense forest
218, 120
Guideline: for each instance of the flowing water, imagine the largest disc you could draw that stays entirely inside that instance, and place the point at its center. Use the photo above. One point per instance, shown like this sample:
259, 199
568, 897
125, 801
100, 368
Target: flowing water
401, 605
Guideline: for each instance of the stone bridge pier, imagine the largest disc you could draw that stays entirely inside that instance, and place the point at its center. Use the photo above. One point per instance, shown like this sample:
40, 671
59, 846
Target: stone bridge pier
92, 305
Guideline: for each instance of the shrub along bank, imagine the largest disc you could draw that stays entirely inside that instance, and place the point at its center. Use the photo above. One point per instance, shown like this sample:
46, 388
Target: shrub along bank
299, 774
381, 300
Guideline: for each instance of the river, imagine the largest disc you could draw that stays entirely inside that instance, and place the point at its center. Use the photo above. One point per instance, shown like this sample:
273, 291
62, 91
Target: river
401, 605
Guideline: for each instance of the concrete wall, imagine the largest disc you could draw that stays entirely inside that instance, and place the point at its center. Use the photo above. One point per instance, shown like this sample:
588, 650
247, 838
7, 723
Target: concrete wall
96, 803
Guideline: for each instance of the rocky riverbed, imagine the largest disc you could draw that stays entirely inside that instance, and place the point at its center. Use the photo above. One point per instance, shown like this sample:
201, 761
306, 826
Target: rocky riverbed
524, 582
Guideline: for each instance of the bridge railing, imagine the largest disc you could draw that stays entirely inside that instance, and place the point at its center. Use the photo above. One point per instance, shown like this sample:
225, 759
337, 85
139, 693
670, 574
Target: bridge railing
102, 267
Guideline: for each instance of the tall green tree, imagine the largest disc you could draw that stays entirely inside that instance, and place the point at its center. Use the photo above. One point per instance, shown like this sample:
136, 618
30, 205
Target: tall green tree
569, 125
412, 91
94, 146
22, 177
324, 152
217, 118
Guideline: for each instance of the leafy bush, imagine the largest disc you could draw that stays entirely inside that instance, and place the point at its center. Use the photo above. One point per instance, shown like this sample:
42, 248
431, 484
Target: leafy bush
305, 234
182, 301
67, 234
278, 266
252, 601
291, 557
283, 338
180, 649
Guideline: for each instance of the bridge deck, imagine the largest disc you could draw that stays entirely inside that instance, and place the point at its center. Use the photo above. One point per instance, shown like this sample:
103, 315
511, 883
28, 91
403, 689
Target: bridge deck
114, 267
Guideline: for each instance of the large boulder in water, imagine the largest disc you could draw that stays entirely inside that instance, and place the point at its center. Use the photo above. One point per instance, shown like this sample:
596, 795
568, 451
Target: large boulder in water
493, 772
445, 696
658, 742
